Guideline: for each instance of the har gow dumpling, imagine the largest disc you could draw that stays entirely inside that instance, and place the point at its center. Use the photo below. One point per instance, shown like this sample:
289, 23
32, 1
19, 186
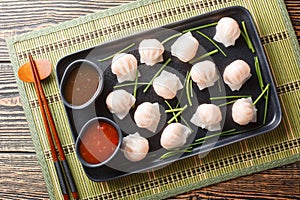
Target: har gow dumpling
185, 47
166, 85
135, 147
151, 51
147, 115
120, 102
124, 66
208, 116
243, 112
227, 31
174, 135
204, 74
236, 74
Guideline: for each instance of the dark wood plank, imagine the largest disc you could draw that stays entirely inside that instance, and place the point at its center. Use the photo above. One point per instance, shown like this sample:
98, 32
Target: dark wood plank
22, 16
20, 173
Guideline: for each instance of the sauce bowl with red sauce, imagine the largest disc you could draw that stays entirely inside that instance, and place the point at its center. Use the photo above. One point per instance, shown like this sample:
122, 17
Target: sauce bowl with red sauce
81, 84
98, 142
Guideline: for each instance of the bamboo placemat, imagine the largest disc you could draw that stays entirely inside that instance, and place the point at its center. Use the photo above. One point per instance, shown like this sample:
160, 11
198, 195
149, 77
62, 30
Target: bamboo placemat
269, 150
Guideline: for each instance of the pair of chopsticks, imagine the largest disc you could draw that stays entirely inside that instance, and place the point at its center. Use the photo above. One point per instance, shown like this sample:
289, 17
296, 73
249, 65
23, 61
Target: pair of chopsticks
61, 166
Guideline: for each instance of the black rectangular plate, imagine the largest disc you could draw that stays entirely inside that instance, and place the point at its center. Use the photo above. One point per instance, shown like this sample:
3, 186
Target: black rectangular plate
77, 118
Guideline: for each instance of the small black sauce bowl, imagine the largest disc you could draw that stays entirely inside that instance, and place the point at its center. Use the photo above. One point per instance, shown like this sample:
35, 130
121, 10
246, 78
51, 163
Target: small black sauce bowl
66, 75
83, 131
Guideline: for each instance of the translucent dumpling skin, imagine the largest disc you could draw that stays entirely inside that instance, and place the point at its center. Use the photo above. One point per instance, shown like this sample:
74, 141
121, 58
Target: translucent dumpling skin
243, 112
174, 135
185, 47
204, 74
166, 85
147, 115
208, 116
124, 66
151, 51
135, 147
120, 102
236, 74
227, 31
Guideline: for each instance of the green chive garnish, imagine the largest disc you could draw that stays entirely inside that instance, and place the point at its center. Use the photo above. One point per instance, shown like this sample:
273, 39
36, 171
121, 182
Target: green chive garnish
258, 73
229, 97
157, 74
204, 56
173, 110
200, 27
177, 114
171, 37
135, 83
219, 85
266, 107
211, 41
187, 124
247, 38
191, 88
227, 103
129, 84
259, 97
170, 107
121, 51
187, 90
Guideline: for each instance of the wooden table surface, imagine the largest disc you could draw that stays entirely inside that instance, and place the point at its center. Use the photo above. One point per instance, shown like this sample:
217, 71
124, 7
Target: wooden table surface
20, 174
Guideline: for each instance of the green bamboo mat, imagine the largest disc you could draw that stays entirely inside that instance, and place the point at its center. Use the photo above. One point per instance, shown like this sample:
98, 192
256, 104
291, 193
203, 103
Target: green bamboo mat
269, 150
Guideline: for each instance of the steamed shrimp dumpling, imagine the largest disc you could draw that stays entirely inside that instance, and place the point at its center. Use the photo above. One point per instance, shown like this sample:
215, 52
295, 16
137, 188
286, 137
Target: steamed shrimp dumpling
185, 47
119, 102
166, 85
135, 147
208, 116
243, 112
147, 115
227, 31
151, 51
236, 74
174, 135
204, 74
124, 66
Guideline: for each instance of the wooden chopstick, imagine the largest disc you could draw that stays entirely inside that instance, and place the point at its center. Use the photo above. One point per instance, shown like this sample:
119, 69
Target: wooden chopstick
47, 117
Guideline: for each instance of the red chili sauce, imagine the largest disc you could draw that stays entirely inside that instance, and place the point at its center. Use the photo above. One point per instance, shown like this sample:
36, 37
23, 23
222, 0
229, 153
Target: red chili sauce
98, 142
81, 85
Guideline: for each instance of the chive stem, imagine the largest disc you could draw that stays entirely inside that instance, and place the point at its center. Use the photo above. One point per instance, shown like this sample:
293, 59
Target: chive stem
200, 27
111, 56
135, 83
227, 103
181, 92
247, 38
171, 37
258, 73
263, 92
187, 89
173, 110
187, 124
219, 85
204, 56
177, 114
129, 84
229, 97
170, 107
211, 41
157, 73
266, 107
191, 88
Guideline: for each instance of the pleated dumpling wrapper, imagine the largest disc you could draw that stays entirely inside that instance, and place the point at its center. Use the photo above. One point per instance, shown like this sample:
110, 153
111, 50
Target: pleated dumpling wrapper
243, 111
151, 51
227, 31
204, 74
166, 85
236, 74
119, 102
124, 66
208, 116
147, 115
185, 47
174, 136
135, 147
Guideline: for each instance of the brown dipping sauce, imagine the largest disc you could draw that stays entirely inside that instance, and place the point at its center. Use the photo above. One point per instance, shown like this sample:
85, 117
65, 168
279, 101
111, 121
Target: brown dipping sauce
81, 84
98, 142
